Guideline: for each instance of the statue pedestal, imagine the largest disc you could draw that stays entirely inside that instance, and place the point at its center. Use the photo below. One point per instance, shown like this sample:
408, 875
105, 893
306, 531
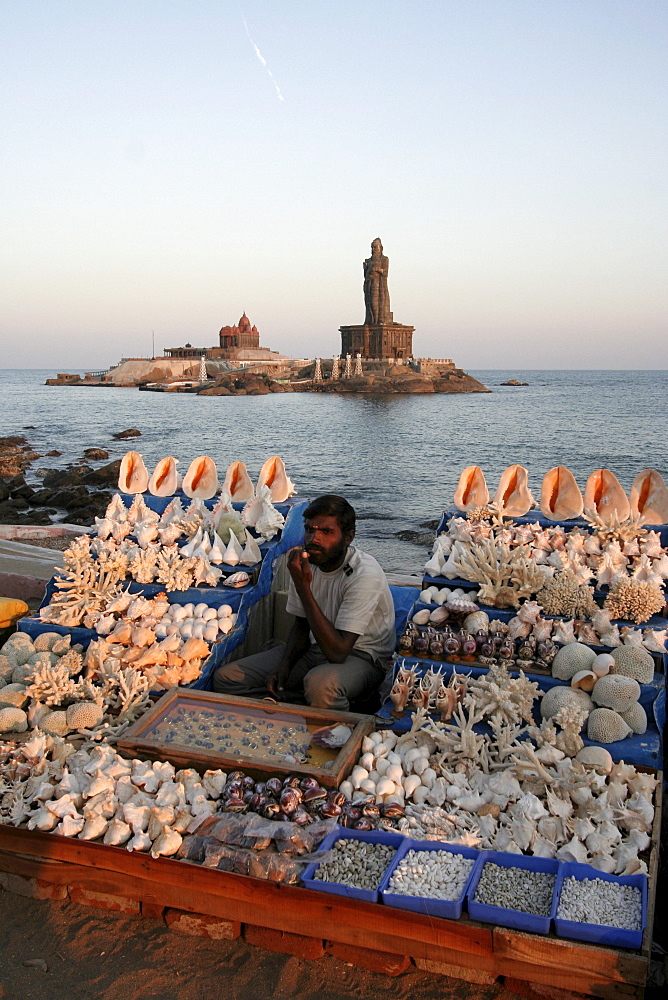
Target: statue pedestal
382, 340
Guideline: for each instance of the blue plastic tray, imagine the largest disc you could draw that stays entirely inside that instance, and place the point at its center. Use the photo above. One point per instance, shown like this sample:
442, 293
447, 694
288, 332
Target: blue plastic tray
452, 909
599, 933
343, 833
504, 916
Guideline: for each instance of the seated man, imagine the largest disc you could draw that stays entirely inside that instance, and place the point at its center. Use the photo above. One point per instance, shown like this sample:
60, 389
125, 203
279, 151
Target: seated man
344, 620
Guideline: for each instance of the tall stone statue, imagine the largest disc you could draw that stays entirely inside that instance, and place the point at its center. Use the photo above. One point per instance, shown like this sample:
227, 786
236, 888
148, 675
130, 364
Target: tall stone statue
376, 294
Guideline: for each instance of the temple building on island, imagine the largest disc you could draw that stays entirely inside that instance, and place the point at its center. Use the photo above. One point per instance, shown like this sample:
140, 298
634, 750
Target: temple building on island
237, 344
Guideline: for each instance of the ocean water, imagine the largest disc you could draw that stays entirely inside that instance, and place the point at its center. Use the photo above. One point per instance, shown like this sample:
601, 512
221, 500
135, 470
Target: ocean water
396, 459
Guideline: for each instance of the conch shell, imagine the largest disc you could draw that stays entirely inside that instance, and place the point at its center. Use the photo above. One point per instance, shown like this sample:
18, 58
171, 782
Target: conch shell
133, 477
165, 481
201, 479
471, 489
649, 497
273, 475
560, 496
513, 496
604, 497
238, 485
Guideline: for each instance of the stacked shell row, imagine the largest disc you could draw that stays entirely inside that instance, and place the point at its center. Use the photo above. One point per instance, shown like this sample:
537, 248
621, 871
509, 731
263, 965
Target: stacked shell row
561, 499
503, 792
516, 561
201, 479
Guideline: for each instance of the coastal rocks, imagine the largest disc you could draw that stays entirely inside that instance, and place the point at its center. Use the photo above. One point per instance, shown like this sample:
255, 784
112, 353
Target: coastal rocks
95, 454
122, 435
244, 385
15, 456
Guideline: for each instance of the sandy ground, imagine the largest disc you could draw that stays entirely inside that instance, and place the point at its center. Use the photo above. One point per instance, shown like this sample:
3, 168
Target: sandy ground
94, 954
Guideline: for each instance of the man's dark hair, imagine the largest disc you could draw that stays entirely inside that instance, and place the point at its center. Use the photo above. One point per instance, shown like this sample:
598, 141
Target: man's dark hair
330, 505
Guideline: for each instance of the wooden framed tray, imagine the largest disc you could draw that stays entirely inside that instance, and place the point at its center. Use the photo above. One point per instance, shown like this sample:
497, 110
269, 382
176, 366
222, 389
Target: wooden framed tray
203, 729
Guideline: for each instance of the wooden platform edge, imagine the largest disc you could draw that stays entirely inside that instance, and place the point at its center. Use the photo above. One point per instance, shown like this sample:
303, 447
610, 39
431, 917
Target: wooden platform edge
580, 968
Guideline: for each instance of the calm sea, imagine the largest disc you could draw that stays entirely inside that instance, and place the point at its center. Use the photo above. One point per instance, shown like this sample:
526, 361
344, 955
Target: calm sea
396, 459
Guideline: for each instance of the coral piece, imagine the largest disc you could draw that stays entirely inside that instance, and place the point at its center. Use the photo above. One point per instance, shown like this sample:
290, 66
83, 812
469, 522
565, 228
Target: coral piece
634, 600
565, 595
505, 575
559, 697
502, 698
635, 717
13, 720
633, 661
84, 715
606, 726
571, 659
616, 691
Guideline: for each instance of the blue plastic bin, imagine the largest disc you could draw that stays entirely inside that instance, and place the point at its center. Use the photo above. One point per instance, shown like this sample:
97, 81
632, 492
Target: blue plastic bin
452, 909
343, 833
599, 933
505, 916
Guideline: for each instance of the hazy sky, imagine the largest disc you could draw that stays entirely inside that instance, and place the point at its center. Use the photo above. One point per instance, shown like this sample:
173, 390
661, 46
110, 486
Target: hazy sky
167, 164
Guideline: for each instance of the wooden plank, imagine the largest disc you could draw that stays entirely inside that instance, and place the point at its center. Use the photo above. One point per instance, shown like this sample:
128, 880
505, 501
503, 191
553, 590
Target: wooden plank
191, 887
342, 920
653, 867
571, 957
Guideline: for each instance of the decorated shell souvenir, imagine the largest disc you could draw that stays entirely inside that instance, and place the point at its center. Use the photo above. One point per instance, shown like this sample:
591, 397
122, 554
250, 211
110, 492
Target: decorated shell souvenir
274, 476
604, 497
165, 481
201, 479
560, 496
133, 476
649, 497
513, 496
238, 485
471, 489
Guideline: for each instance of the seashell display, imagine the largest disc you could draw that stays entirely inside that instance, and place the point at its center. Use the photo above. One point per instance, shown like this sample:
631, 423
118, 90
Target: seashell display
164, 480
237, 484
649, 497
604, 497
560, 496
331, 736
513, 496
133, 475
201, 479
274, 476
239, 579
471, 489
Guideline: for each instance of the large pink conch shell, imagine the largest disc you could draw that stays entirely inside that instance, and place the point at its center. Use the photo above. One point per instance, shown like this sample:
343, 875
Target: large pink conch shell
133, 476
513, 496
604, 497
649, 497
471, 489
560, 496
165, 480
238, 483
201, 479
273, 475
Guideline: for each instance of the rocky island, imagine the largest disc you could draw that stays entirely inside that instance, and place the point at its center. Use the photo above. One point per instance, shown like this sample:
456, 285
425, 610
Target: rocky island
376, 359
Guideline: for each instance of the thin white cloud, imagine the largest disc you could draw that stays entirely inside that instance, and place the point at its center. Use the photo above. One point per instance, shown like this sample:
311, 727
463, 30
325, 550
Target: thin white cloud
263, 61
